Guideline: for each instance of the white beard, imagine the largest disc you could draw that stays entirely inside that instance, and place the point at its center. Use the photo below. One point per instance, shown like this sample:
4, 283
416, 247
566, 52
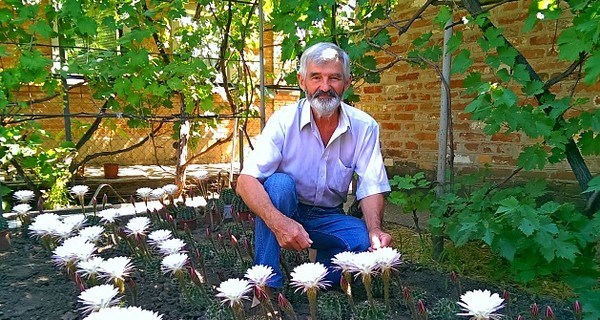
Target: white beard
324, 106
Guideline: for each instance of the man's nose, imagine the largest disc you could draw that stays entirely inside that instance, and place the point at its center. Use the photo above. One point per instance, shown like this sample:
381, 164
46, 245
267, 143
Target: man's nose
325, 86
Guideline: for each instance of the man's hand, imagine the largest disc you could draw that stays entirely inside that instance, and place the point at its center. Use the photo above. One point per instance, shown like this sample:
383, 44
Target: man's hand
379, 239
290, 234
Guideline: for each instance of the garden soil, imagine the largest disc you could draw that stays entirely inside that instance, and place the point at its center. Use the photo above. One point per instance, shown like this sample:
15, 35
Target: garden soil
33, 287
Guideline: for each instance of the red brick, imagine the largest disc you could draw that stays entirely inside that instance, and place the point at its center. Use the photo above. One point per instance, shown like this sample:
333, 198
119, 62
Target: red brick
411, 145
407, 76
373, 89
470, 136
471, 146
404, 116
425, 136
390, 126
512, 137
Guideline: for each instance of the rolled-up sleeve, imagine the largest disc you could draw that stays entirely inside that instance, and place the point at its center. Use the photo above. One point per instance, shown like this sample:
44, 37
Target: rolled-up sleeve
372, 178
264, 160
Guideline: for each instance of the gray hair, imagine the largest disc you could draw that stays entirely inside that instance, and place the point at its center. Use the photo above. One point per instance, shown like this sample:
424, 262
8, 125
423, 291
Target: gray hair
315, 54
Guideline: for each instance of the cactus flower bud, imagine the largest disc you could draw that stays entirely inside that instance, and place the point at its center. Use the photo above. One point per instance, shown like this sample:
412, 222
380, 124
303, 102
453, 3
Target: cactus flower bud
454, 276
549, 313
421, 307
535, 311
577, 309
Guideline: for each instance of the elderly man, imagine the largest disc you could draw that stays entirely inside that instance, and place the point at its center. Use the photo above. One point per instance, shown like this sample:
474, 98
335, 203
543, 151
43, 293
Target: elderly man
297, 177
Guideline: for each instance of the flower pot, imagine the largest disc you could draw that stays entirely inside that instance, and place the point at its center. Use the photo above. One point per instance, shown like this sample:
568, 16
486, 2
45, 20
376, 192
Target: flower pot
227, 212
191, 224
111, 170
243, 215
5, 240
216, 218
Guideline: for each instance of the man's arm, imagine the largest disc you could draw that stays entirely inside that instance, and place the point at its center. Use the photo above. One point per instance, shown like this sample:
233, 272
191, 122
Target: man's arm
372, 208
289, 233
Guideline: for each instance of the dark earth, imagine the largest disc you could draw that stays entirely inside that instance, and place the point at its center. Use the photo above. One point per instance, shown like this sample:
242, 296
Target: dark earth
33, 287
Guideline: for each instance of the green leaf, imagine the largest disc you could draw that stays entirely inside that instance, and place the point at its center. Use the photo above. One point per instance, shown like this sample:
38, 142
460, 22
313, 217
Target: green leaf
520, 74
530, 21
503, 75
558, 107
493, 61
507, 55
532, 157
492, 38
443, 16
507, 249
488, 236
527, 227
565, 248
422, 39
508, 205
382, 38
592, 68
454, 42
481, 102
175, 84
589, 143
571, 42
593, 185
42, 28
472, 82
533, 87
461, 62
87, 26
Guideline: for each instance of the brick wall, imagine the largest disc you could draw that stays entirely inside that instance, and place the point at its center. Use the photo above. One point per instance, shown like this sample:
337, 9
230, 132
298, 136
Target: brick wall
407, 101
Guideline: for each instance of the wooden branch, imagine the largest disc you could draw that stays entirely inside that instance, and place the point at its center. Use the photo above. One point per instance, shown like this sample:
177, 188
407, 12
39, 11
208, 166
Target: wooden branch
567, 72
109, 153
209, 148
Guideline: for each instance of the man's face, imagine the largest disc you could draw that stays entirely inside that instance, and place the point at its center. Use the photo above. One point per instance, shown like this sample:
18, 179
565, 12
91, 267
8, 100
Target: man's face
324, 86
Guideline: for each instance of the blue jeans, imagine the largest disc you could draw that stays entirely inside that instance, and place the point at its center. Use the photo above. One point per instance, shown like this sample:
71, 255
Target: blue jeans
330, 229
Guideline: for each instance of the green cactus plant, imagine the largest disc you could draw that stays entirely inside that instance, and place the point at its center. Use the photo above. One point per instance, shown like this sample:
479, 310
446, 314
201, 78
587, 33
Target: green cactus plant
227, 195
185, 213
239, 205
3, 223
213, 212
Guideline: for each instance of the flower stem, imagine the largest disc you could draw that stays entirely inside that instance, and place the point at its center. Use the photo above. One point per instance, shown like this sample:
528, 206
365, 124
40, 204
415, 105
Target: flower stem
312, 301
386, 287
367, 282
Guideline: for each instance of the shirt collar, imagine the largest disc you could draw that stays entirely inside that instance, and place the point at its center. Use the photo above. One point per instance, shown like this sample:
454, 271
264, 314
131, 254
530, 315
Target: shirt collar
305, 116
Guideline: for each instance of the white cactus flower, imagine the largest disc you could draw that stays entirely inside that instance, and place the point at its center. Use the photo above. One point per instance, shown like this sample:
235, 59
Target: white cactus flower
23, 196
98, 297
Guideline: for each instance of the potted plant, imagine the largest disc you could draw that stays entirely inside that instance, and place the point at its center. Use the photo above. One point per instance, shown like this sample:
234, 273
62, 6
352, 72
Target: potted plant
213, 212
240, 207
4, 235
227, 195
185, 215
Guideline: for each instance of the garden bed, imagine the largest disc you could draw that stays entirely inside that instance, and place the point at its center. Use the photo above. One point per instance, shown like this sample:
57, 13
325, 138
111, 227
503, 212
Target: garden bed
36, 288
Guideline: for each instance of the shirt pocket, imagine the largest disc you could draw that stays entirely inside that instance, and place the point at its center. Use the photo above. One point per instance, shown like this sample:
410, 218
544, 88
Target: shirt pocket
342, 175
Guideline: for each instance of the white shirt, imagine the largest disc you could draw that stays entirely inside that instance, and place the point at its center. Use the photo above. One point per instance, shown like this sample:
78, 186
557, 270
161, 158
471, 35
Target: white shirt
290, 143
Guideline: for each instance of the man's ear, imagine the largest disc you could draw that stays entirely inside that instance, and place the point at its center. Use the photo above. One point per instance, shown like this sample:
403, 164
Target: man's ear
347, 84
300, 81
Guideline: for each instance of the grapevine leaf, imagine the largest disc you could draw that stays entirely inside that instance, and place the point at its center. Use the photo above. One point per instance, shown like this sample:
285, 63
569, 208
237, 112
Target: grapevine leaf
592, 68
593, 185
533, 87
532, 157
462, 62
443, 16
589, 143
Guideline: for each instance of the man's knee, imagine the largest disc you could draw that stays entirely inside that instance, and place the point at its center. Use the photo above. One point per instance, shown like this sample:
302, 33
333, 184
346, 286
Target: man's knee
281, 189
278, 182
